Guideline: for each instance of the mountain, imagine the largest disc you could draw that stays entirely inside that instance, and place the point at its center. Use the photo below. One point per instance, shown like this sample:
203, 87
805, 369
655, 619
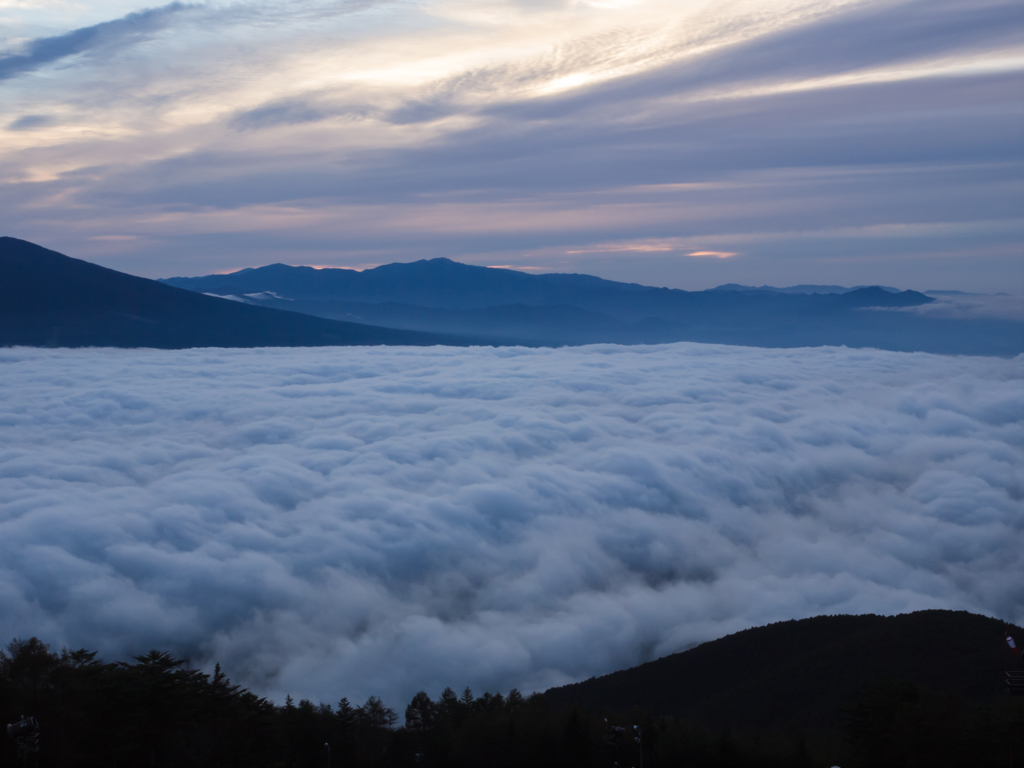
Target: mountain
504, 307
801, 288
446, 284
48, 299
435, 283
805, 672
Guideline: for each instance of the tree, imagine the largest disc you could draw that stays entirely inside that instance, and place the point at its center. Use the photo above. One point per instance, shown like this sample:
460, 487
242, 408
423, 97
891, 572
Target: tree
421, 713
28, 664
346, 714
514, 700
449, 708
376, 716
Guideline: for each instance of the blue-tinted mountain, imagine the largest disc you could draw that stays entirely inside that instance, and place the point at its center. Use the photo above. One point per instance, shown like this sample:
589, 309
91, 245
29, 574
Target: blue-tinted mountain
505, 307
437, 283
48, 299
801, 288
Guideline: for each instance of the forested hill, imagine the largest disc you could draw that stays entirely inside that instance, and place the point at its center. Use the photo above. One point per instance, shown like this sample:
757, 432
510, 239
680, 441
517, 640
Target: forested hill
733, 694
805, 672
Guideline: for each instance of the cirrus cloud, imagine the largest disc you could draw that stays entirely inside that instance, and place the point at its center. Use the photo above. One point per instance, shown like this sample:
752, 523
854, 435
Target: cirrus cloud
587, 137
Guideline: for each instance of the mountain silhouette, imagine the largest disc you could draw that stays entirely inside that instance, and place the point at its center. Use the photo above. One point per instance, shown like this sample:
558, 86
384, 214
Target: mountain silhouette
48, 299
53, 300
445, 284
505, 307
804, 672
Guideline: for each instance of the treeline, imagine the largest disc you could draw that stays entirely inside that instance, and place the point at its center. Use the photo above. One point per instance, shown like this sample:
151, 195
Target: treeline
157, 711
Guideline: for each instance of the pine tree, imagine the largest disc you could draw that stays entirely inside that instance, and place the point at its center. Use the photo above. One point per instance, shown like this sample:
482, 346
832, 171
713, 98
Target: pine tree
421, 713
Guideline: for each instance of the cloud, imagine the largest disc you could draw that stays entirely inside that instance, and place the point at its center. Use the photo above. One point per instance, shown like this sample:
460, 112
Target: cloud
713, 254
357, 521
293, 112
121, 31
967, 305
540, 134
29, 122
956, 305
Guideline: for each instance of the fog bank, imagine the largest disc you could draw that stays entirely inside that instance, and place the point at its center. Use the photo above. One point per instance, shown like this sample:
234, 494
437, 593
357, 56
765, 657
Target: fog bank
352, 521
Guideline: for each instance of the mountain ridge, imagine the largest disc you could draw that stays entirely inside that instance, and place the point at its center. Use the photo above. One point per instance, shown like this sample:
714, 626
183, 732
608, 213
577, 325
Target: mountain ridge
398, 278
49, 299
805, 671
437, 283
505, 306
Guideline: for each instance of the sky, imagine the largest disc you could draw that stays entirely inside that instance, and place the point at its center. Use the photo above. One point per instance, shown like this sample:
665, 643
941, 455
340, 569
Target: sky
345, 521
681, 143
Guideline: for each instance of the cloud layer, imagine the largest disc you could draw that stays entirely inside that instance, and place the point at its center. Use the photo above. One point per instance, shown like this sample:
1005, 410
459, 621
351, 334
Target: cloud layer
111, 34
823, 141
383, 520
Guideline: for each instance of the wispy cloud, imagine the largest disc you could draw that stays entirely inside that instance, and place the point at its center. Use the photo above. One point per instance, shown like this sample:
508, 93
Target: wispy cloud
499, 131
1004, 306
713, 254
29, 122
48, 50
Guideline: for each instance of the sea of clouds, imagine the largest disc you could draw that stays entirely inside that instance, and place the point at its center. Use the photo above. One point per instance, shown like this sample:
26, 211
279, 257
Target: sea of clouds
352, 521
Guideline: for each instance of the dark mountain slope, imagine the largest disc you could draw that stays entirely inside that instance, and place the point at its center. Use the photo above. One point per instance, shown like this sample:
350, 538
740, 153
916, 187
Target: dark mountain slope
555, 324
804, 672
48, 299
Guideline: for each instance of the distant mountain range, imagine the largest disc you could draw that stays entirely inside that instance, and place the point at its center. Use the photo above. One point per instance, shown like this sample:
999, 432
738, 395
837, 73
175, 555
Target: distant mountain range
805, 672
803, 288
503, 306
48, 299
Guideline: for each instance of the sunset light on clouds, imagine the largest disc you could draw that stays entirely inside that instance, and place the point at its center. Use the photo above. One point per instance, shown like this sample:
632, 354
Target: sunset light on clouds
200, 137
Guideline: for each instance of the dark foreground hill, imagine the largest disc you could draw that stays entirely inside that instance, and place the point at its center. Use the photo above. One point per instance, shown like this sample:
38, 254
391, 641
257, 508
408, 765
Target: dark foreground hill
805, 673
48, 299
156, 710
504, 306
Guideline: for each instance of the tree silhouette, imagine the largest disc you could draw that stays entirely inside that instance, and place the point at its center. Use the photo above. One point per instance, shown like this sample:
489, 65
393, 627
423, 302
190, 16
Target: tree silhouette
156, 710
421, 713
